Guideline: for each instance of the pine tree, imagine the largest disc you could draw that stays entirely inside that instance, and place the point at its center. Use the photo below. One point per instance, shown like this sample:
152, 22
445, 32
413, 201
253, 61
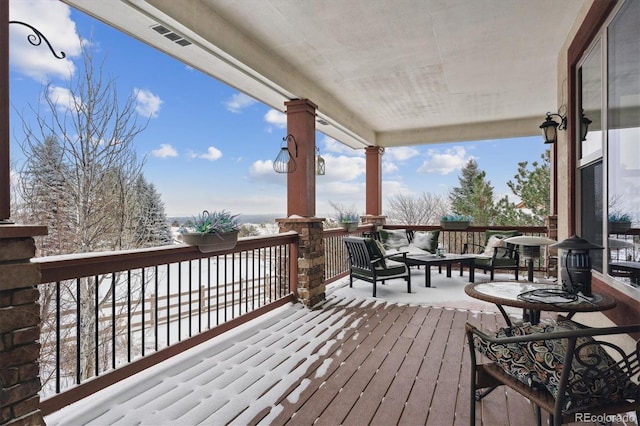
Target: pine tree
533, 188
460, 197
474, 196
151, 225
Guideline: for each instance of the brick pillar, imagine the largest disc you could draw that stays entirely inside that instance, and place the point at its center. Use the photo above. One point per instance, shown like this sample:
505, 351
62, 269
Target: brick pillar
373, 156
377, 221
551, 222
311, 288
301, 184
19, 326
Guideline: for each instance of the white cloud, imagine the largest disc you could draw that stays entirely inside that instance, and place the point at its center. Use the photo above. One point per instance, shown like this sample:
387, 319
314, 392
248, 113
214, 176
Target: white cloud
263, 171
389, 167
333, 145
147, 104
446, 162
238, 102
165, 151
343, 168
63, 99
212, 154
53, 19
276, 118
400, 153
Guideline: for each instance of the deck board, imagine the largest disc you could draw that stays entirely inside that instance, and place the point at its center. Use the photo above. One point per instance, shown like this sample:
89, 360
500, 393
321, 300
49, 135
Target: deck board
352, 362
402, 365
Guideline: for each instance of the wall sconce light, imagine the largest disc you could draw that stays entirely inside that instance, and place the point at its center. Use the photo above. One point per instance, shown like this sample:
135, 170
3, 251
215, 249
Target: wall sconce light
576, 274
284, 162
320, 168
550, 127
584, 126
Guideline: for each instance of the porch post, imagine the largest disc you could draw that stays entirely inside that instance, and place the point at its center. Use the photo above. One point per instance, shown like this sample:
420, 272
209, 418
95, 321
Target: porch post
301, 202
19, 326
301, 184
373, 191
5, 176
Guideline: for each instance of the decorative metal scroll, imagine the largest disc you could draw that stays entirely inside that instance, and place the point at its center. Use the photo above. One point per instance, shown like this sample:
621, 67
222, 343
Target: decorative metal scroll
37, 37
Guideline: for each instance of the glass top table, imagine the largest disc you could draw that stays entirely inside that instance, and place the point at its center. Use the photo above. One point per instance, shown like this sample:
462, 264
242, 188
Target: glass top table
535, 297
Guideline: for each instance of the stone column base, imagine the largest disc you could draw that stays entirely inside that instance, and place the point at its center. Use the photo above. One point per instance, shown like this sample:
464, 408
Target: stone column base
310, 286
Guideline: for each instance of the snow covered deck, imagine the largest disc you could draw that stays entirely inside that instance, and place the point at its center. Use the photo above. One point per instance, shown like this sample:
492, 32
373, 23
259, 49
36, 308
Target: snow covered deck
357, 360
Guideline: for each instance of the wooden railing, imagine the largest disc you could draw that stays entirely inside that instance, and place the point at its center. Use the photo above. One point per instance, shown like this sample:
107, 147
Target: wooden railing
336, 262
104, 311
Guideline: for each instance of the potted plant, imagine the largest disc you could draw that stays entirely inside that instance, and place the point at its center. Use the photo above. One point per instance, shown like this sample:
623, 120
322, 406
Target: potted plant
213, 231
348, 220
619, 223
455, 221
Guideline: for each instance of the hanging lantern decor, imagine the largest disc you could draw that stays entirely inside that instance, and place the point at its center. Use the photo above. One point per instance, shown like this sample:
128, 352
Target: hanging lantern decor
320, 166
284, 162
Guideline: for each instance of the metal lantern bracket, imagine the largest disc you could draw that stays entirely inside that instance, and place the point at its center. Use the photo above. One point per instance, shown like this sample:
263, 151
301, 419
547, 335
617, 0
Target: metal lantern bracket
37, 38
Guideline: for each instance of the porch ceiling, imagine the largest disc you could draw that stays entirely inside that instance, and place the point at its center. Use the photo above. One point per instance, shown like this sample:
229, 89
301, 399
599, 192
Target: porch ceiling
384, 73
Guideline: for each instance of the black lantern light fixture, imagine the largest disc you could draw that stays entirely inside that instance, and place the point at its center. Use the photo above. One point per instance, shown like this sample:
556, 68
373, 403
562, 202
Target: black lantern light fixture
584, 126
284, 162
576, 274
320, 167
550, 127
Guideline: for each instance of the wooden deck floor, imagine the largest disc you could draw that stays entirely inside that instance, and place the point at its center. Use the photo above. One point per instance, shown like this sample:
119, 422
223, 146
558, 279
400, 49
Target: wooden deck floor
404, 365
355, 361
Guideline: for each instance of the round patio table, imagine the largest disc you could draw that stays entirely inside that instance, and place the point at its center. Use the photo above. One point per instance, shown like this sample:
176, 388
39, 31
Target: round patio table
535, 297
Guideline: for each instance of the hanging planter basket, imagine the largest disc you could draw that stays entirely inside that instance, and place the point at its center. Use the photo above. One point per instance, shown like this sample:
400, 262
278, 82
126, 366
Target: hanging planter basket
349, 226
208, 243
454, 225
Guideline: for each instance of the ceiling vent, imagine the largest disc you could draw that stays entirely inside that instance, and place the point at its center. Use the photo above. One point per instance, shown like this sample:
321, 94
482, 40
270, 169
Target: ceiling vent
177, 38
322, 121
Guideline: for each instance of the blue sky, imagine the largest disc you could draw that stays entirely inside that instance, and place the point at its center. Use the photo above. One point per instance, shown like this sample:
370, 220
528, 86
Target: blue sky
207, 145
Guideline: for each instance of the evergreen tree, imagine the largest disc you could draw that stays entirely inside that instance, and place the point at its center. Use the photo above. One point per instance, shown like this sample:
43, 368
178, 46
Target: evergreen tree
474, 196
45, 199
151, 224
533, 188
460, 197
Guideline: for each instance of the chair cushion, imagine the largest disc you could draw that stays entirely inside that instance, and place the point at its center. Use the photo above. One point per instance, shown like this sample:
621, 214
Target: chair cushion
540, 362
594, 372
426, 240
376, 251
392, 269
509, 356
394, 239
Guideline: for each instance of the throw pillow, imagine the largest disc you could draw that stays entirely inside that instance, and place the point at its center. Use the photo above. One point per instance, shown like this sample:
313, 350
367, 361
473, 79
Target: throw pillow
494, 241
426, 240
393, 239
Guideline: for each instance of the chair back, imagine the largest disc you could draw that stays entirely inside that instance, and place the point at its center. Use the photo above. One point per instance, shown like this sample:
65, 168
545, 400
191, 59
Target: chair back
511, 248
358, 250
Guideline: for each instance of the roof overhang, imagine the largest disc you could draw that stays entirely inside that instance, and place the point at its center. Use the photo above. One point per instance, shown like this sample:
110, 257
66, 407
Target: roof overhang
381, 73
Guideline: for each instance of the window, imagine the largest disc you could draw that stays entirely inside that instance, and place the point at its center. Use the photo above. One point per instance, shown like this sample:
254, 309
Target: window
608, 92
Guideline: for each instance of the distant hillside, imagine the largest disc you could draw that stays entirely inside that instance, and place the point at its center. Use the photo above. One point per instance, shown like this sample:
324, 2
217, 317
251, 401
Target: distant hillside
256, 219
